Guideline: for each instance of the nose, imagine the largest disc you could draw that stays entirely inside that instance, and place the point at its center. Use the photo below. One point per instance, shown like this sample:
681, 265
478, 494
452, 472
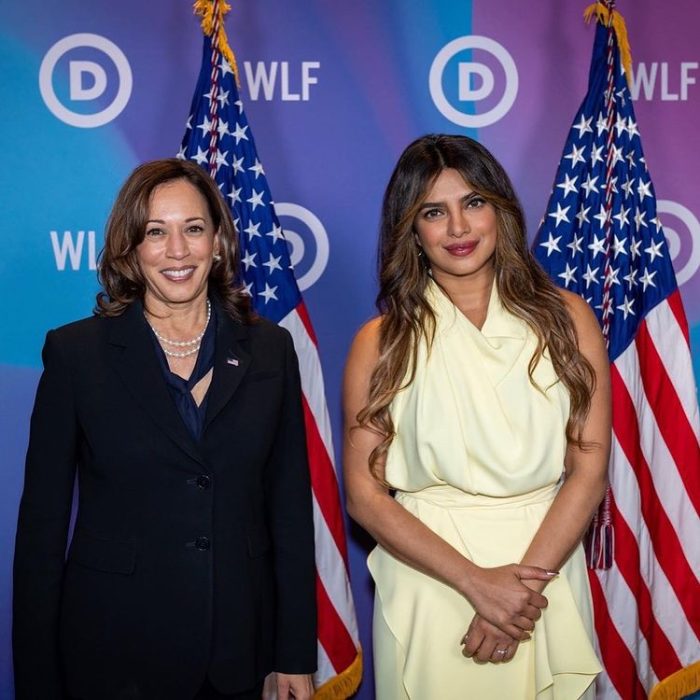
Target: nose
459, 224
177, 247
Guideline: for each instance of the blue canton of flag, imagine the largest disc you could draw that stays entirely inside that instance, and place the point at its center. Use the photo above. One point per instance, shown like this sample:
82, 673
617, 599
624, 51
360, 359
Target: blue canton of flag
266, 266
603, 150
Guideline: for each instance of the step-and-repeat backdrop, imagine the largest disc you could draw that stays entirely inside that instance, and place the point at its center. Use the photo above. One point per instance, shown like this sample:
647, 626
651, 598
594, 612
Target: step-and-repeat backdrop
334, 91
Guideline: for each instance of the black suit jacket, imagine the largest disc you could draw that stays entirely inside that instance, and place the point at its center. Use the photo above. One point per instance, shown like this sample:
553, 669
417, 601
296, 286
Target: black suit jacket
187, 558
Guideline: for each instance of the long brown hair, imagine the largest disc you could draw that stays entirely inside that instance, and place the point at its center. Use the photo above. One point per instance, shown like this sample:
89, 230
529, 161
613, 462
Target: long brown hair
119, 271
406, 316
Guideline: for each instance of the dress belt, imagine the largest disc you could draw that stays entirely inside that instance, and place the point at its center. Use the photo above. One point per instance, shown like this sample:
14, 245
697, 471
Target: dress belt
445, 496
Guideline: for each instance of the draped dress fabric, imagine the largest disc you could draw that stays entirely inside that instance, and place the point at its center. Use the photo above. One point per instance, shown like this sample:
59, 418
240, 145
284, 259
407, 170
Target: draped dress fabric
478, 457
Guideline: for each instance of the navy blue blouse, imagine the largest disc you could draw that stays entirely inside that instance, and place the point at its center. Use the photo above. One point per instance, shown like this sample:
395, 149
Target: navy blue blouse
181, 389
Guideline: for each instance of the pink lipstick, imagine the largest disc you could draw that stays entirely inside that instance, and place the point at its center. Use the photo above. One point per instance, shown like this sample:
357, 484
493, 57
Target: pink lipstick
461, 250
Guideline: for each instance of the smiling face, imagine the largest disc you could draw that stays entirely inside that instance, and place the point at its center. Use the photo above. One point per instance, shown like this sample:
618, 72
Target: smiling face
177, 250
457, 230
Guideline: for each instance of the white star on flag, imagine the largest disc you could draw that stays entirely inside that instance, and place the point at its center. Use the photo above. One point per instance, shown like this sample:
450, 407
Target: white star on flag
273, 263
626, 307
551, 244
590, 276
239, 133
560, 214
268, 293
256, 199
576, 155
654, 250
568, 275
569, 185
584, 126
252, 229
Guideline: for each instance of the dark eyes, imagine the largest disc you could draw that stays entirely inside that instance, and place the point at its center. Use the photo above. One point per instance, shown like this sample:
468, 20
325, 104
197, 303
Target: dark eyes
194, 229
474, 202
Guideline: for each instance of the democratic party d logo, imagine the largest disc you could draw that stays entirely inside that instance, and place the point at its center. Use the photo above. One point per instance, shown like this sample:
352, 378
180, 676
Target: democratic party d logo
475, 81
308, 243
87, 80
683, 247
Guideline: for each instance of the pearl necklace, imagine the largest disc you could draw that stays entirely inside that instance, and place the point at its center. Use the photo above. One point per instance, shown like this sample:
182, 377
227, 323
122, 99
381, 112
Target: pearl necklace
193, 344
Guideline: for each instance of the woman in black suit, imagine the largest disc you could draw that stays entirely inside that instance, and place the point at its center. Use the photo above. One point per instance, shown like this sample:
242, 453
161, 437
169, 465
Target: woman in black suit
190, 573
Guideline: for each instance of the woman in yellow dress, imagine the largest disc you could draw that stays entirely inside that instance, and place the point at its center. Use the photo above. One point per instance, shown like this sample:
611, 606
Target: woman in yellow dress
476, 444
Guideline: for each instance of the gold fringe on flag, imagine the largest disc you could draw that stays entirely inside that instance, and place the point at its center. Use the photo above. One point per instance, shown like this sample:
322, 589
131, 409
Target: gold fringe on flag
344, 684
602, 14
678, 684
212, 14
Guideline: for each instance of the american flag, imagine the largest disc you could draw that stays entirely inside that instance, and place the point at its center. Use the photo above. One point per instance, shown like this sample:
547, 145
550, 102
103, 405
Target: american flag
218, 137
601, 238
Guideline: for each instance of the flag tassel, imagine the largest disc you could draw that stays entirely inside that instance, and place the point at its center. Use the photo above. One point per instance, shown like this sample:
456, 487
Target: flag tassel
600, 538
212, 13
602, 14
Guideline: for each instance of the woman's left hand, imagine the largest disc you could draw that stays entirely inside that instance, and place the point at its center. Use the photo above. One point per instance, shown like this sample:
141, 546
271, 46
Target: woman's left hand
485, 642
296, 686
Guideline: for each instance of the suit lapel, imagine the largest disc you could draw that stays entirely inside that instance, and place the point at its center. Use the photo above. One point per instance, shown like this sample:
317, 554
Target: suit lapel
133, 357
231, 362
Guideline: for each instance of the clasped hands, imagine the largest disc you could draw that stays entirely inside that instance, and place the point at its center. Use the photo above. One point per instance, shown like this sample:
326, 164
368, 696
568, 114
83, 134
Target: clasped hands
506, 610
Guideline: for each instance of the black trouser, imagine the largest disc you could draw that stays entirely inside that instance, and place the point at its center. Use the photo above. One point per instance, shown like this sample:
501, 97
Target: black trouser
208, 692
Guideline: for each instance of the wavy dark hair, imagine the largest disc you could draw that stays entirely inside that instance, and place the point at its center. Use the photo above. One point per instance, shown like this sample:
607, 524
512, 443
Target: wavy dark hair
406, 316
119, 271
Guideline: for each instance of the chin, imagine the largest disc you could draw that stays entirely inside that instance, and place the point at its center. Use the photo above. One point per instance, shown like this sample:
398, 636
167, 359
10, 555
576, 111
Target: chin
178, 296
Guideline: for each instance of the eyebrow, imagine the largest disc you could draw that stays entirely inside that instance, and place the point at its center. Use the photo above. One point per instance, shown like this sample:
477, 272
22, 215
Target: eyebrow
187, 221
467, 197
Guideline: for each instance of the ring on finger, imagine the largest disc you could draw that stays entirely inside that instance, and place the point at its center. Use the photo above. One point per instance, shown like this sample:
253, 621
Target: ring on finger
500, 652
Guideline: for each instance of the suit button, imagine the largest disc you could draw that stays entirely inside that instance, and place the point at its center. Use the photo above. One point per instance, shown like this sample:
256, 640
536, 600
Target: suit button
203, 481
202, 543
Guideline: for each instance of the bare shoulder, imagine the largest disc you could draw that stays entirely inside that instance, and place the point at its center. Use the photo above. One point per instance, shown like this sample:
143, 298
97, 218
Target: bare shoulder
361, 361
364, 350
577, 307
590, 338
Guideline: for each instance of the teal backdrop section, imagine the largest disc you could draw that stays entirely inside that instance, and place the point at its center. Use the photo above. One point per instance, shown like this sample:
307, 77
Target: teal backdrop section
334, 92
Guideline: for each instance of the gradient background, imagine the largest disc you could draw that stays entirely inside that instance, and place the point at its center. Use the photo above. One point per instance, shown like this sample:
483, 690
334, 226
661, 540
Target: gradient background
331, 154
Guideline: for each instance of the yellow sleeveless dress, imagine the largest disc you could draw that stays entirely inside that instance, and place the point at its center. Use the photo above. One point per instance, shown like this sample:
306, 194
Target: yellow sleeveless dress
478, 457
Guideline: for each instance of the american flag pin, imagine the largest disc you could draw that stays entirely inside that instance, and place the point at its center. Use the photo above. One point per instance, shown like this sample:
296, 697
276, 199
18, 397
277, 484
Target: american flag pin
232, 361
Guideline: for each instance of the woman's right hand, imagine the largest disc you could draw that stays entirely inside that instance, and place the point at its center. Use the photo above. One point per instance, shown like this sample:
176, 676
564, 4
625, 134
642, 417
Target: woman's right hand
484, 642
500, 597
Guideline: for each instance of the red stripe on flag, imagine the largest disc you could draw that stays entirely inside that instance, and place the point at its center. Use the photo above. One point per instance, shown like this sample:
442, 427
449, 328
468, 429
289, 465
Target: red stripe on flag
306, 320
332, 633
669, 413
662, 656
664, 538
324, 482
617, 659
676, 305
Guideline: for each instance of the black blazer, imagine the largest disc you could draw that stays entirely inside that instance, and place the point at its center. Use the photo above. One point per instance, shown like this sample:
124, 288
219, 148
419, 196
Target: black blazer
187, 558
